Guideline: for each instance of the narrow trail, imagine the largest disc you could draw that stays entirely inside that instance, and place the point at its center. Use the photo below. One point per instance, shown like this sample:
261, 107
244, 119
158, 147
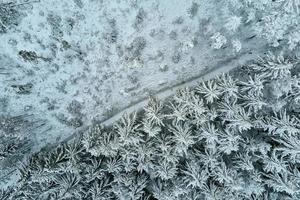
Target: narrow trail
222, 67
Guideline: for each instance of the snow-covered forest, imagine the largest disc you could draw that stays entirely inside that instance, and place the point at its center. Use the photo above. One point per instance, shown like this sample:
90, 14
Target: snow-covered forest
148, 99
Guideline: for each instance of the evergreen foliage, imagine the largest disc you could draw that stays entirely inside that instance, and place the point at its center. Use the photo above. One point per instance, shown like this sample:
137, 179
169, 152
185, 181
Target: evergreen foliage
223, 139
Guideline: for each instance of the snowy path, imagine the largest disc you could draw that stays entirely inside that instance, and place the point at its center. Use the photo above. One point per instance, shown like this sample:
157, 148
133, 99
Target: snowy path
222, 67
